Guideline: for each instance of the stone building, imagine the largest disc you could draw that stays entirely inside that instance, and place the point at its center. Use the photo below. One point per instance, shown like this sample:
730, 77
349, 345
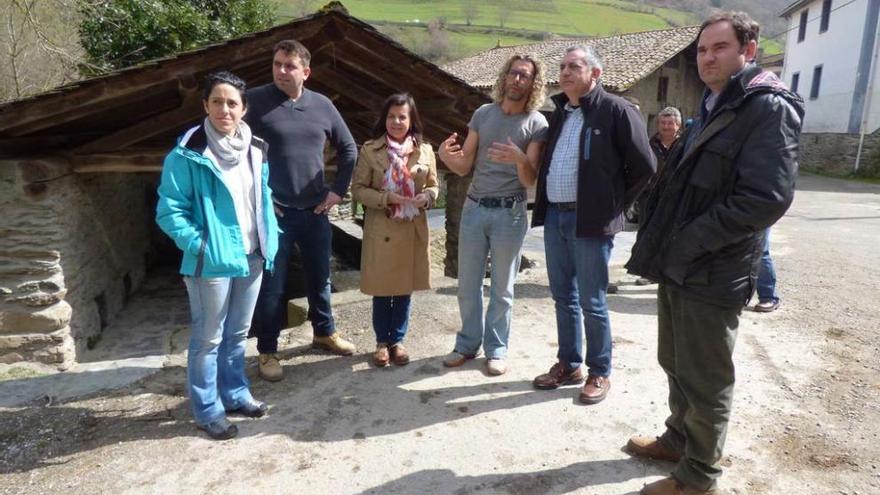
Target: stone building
658, 68
79, 167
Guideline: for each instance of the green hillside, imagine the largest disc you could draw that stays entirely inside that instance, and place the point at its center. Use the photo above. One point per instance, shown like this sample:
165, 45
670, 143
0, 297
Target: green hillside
463, 27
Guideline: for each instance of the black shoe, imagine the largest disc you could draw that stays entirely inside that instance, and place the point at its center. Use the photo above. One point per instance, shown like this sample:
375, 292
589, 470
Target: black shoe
612, 289
221, 429
254, 409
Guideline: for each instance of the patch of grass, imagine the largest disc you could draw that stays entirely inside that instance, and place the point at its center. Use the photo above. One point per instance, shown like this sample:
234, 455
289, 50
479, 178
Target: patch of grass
564, 17
18, 373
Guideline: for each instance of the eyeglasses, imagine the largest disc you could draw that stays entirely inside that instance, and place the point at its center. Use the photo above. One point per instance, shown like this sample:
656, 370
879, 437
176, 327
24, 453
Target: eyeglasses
518, 74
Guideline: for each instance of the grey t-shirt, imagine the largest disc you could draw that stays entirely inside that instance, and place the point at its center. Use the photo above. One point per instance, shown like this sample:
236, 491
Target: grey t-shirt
493, 125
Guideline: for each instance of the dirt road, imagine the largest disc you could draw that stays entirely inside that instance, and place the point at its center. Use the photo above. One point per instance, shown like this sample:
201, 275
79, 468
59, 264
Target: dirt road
806, 416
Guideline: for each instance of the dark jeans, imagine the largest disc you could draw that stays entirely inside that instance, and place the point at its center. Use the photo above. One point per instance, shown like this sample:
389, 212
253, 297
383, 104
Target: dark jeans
695, 349
767, 274
390, 318
312, 235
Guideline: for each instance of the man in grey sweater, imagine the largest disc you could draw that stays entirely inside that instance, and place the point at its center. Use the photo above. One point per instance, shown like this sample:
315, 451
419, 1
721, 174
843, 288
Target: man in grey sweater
297, 122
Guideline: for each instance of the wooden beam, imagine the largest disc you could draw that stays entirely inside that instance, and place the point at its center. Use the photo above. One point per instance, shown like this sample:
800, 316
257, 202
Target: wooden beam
130, 83
189, 110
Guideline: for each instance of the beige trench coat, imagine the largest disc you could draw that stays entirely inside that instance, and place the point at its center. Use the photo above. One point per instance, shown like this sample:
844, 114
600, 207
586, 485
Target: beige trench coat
395, 258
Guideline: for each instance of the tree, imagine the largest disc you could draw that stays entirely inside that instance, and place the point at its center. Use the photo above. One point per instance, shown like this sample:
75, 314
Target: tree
38, 46
120, 33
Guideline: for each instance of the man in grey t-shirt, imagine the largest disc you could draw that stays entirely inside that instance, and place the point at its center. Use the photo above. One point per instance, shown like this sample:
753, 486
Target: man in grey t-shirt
502, 148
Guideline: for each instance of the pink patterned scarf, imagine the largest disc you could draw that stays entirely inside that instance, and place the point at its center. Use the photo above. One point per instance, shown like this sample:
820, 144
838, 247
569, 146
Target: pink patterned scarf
398, 179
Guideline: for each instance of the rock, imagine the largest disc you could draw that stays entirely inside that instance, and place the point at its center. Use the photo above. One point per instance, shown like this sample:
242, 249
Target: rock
44, 320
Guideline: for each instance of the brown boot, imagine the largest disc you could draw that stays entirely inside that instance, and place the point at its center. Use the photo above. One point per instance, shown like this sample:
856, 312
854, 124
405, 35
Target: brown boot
558, 375
399, 356
595, 389
652, 448
671, 486
381, 357
270, 368
334, 343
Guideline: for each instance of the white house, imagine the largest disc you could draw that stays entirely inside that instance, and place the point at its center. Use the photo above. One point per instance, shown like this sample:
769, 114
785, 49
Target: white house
830, 55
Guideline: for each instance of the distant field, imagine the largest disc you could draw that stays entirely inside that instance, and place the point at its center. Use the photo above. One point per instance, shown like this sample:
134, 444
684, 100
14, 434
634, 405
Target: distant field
560, 17
587, 17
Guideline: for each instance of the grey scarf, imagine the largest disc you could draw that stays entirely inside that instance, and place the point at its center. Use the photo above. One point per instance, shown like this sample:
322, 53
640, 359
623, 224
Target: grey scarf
228, 149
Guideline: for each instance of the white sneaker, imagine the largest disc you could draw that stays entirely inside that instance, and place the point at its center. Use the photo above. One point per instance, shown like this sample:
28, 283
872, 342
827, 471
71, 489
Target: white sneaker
496, 366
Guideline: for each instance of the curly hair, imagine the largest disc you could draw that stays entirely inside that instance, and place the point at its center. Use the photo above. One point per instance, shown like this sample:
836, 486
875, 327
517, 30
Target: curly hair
538, 90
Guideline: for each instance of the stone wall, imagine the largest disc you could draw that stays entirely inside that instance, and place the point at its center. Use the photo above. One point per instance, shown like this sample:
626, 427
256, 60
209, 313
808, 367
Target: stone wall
456, 192
72, 249
34, 317
836, 153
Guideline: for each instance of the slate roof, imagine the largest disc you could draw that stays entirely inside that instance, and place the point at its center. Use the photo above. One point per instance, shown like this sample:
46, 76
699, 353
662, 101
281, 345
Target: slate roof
140, 111
627, 57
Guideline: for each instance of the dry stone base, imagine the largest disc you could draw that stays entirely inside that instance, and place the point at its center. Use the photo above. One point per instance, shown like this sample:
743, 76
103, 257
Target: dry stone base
836, 153
46, 319
54, 348
71, 252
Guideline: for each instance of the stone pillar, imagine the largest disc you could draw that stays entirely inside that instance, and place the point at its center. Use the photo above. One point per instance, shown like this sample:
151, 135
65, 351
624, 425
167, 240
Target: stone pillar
34, 318
456, 192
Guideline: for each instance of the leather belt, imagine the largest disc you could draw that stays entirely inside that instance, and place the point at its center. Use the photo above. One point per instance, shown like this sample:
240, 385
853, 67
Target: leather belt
502, 202
570, 206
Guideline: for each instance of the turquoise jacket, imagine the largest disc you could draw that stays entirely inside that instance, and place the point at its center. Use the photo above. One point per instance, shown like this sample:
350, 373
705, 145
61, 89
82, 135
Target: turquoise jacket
196, 209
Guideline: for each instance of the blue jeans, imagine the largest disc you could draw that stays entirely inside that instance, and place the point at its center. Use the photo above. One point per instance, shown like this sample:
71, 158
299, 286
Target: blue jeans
390, 318
767, 274
313, 235
484, 232
578, 271
221, 310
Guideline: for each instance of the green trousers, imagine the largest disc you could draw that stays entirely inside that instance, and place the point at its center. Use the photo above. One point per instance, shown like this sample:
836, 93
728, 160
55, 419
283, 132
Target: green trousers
695, 349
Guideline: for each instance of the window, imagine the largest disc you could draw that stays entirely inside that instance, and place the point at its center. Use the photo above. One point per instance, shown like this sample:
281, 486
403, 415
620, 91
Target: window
817, 80
662, 88
802, 29
795, 80
826, 14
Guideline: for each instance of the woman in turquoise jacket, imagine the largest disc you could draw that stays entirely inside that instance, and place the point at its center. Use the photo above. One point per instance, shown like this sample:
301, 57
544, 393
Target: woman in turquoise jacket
215, 203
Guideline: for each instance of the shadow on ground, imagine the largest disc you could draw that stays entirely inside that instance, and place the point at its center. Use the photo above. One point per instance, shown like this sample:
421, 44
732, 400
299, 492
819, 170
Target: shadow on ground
326, 400
549, 482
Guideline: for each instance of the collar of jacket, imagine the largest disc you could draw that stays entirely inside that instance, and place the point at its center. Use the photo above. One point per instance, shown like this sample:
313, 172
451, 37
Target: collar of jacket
588, 100
379, 144
195, 143
741, 85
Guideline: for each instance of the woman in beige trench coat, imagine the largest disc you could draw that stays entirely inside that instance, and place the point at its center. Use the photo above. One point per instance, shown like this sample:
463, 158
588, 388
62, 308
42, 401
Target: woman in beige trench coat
396, 181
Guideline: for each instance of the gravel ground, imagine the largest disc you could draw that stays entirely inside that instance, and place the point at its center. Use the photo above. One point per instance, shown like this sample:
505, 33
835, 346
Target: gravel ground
805, 416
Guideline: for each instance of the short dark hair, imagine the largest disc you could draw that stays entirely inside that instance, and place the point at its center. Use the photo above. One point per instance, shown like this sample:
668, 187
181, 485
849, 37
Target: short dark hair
293, 47
744, 27
415, 122
224, 77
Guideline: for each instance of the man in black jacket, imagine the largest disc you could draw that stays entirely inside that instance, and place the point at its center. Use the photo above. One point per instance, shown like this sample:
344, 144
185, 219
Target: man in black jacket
596, 162
729, 178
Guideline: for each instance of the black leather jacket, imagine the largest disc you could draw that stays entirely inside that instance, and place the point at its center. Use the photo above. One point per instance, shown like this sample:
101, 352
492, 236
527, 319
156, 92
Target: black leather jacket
727, 180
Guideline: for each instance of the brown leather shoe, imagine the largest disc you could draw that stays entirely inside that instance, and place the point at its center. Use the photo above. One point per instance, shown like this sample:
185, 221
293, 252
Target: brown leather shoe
381, 357
595, 390
558, 375
399, 356
671, 486
652, 448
